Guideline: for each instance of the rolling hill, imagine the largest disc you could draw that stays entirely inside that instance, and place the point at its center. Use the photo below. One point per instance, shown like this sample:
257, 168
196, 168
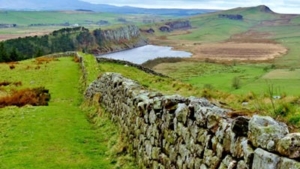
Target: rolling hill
77, 4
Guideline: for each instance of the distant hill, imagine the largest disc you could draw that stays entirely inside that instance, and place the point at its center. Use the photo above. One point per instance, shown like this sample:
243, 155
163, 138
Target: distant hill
76, 4
260, 12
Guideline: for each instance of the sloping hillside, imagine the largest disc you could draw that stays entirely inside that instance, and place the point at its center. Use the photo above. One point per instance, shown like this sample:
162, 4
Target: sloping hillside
70, 39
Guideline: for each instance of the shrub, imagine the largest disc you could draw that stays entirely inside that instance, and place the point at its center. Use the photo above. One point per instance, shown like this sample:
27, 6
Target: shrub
207, 93
236, 83
76, 59
284, 109
266, 68
273, 66
295, 120
292, 69
208, 86
11, 66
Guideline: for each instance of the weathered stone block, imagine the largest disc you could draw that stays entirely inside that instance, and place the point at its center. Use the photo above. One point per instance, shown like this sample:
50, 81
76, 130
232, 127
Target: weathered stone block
152, 117
265, 132
183, 151
286, 163
202, 136
265, 160
181, 113
198, 162
155, 153
242, 165
213, 121
227, 162
236, 148
290, 145
248, 152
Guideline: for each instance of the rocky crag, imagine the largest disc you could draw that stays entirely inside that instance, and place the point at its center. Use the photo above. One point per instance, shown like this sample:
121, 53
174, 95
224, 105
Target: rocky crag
177, 132
175, 25
233, 17
121, 38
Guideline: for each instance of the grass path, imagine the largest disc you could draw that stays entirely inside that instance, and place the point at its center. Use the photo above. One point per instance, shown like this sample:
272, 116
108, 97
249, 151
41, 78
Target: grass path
54, 136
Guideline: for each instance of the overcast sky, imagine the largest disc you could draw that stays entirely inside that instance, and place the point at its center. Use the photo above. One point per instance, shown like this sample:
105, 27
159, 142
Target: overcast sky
280, 6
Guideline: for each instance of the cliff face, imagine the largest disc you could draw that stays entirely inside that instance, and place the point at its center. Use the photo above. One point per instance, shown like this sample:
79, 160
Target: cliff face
122, 33
121, 38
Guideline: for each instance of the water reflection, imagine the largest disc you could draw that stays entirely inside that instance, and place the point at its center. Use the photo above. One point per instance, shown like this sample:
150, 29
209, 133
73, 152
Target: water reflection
142, 54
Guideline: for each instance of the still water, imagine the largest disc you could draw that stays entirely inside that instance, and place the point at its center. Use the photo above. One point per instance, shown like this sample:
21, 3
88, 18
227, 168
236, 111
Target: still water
142, 54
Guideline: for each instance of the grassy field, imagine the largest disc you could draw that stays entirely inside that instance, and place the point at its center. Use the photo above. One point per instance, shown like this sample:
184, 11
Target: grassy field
25, 18
213, 30
59, 135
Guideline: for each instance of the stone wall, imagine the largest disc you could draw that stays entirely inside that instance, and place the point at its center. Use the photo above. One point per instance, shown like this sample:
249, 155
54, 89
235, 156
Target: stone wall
177, 132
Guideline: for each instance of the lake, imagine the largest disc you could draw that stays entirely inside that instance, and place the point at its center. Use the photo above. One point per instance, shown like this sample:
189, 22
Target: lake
142, 54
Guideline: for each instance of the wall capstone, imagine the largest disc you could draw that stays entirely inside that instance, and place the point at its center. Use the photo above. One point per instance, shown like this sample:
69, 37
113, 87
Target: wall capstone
177, 132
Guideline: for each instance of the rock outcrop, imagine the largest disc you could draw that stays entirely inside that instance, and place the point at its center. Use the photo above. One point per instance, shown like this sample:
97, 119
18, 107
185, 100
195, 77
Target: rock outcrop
178, 132
263, 8
175, 25
233, 17
8, 25
122, 38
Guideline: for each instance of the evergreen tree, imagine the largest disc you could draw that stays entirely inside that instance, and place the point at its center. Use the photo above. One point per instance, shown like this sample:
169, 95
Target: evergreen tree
14, 55
3, 54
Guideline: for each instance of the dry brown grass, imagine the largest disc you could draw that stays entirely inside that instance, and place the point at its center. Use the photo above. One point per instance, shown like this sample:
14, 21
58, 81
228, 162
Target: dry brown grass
35, 97
240, 51
250, 46
42, 60
76, 59
163, 37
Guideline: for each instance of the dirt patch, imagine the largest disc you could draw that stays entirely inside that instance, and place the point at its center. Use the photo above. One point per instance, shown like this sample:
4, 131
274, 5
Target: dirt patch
239, 51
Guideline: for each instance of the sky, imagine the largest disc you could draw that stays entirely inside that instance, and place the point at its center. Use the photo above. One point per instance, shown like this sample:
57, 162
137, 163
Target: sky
280, 6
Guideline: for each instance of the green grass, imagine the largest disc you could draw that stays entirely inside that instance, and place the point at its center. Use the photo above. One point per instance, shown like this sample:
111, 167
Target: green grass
164, 85
288, 36
59, 135
213, 29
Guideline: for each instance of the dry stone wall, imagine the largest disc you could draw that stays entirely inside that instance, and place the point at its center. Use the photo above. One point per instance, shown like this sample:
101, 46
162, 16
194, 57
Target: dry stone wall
177, 132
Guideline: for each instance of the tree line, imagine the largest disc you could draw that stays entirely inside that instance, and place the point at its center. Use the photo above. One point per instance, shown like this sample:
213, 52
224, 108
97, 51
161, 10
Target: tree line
66, 39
